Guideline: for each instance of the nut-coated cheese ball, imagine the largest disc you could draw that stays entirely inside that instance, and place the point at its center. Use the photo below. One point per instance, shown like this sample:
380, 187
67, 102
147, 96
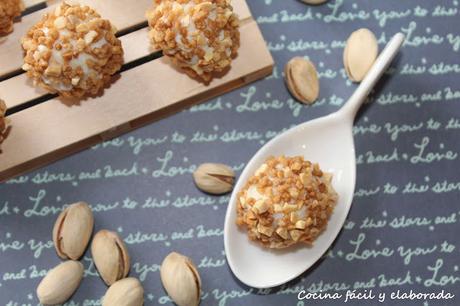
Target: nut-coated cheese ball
72, 51
9, 9
200, 36
287, 201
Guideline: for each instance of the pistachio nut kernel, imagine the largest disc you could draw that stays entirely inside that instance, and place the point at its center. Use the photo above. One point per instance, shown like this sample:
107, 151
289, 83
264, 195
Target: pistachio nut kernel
181, 279
110, 256
72, 231
214, 178
60, 283
125, 292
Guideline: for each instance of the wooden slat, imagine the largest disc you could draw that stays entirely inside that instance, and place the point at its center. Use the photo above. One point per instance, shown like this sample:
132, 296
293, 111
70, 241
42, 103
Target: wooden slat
51, 130
19, 89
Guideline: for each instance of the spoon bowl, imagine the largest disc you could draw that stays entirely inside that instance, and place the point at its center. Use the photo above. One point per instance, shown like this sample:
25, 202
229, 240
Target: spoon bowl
327, 141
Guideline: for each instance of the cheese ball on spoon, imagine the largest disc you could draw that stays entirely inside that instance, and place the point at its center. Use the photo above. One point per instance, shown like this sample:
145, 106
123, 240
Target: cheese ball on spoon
287, 201
9, 9
72, 51
200, 36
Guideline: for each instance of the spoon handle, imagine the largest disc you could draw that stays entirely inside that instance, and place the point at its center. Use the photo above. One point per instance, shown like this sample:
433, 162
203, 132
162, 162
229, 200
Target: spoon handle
381, 64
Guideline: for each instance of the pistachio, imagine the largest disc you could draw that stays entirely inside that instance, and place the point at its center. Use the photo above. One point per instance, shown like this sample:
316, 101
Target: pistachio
181, 280
360, 54
314, 2
60, 283
2, 108
302, 80
3, 120
214, 178
125, 292
110, 256
72, 231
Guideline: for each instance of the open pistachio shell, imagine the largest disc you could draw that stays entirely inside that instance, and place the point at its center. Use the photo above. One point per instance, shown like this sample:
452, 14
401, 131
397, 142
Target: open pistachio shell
302, 79
125, 292
314, 2
3, 120
72, 231
60, 283
360, 54
110, 256
214, 178
181, 279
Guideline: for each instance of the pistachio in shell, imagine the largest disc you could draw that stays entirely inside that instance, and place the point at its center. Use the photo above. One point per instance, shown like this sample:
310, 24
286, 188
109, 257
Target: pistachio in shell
60, 283
3, 120
302, 80
360, 53
214, 178
125, 292
181, 279
110, 256
72, 231
314, 2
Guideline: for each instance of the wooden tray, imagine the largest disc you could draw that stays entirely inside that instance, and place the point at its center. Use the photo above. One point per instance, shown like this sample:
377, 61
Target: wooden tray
45, 128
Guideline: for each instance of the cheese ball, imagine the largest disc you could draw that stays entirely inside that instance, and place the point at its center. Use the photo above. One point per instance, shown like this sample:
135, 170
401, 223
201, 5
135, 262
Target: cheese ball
72, 51
200, 36
3, 122
9, 9
287, 201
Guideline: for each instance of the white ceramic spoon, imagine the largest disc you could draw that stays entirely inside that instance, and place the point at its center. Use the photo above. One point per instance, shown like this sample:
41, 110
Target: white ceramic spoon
327, 141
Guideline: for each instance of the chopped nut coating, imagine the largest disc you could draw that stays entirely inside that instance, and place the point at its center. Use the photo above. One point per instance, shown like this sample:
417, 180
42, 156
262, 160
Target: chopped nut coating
260, 207
9, 9
288, 200
72, 51
200, 36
